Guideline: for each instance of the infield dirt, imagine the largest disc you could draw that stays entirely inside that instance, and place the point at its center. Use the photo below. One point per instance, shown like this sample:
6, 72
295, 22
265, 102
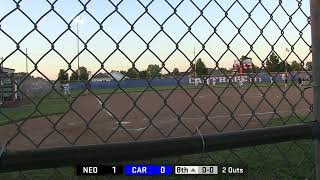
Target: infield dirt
157, 115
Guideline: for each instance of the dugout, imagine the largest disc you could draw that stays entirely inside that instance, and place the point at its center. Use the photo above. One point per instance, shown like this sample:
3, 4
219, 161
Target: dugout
7, 86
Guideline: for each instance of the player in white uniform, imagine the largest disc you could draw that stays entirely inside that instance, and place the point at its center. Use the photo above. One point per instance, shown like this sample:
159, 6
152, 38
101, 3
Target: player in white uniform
196, 83
213, 81
67, 90
271, 80
208, 81
240, 83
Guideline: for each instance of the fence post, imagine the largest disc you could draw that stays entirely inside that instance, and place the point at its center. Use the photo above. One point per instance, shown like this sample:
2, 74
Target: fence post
315, 33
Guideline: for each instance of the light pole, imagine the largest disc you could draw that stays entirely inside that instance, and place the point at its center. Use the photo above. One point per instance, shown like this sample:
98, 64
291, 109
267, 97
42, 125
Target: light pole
287, 51
78, 51
78, 21
2, 88
27, 71
285, 66
195, 67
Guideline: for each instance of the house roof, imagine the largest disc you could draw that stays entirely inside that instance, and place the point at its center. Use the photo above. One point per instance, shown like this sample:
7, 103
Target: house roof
101, 75
117, 75
6, 70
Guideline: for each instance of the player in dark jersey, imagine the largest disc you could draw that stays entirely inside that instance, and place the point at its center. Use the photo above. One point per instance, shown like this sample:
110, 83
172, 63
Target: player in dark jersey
286, 80
299, 81
87, 87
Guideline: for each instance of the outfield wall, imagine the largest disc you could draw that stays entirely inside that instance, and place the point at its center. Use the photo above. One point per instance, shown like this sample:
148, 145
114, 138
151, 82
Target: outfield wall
187, 80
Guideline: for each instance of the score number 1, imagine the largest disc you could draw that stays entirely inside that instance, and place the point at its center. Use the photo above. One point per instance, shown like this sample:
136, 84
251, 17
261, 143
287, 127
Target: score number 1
114, 169
117, 169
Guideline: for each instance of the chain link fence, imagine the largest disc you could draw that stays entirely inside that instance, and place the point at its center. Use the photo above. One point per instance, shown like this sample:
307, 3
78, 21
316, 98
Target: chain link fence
261, 118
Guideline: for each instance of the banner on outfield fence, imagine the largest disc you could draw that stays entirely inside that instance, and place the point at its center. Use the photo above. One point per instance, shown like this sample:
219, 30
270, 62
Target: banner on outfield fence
187, 80
257, 78
223, 79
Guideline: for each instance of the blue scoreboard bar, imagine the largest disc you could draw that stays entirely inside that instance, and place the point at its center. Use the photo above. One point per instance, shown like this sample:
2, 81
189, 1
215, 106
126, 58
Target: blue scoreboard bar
147, 170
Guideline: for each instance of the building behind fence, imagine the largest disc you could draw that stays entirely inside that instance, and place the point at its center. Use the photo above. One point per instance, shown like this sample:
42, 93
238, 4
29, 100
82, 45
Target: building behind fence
8, 87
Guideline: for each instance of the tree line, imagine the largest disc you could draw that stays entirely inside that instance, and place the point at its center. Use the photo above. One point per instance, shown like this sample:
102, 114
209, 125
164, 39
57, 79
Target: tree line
81, 74
275, 64
153, 70
272, 64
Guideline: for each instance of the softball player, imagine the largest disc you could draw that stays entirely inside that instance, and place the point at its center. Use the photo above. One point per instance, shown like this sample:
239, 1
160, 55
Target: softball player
67, 90
87, 87
196, 83
213, 81
240, 83
208, 81
286, 80
299, 81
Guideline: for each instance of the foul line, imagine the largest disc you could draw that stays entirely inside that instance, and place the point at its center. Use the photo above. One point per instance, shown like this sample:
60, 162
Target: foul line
254, 96
248, 96
248, 114
103, 107
132, 129
123, 122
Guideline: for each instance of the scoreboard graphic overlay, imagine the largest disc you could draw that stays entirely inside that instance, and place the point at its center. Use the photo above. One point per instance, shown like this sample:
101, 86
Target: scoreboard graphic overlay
159, 170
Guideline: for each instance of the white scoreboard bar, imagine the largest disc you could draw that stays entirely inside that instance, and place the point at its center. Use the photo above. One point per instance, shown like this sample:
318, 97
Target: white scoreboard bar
184, 170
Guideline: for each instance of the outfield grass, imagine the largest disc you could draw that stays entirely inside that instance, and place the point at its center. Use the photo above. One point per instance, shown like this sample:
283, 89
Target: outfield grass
46, 107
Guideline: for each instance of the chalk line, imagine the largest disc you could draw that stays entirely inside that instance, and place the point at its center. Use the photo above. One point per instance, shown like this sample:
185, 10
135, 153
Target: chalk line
72, 123
124, 122
254, 96
132, 129
104, 108
247, 114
